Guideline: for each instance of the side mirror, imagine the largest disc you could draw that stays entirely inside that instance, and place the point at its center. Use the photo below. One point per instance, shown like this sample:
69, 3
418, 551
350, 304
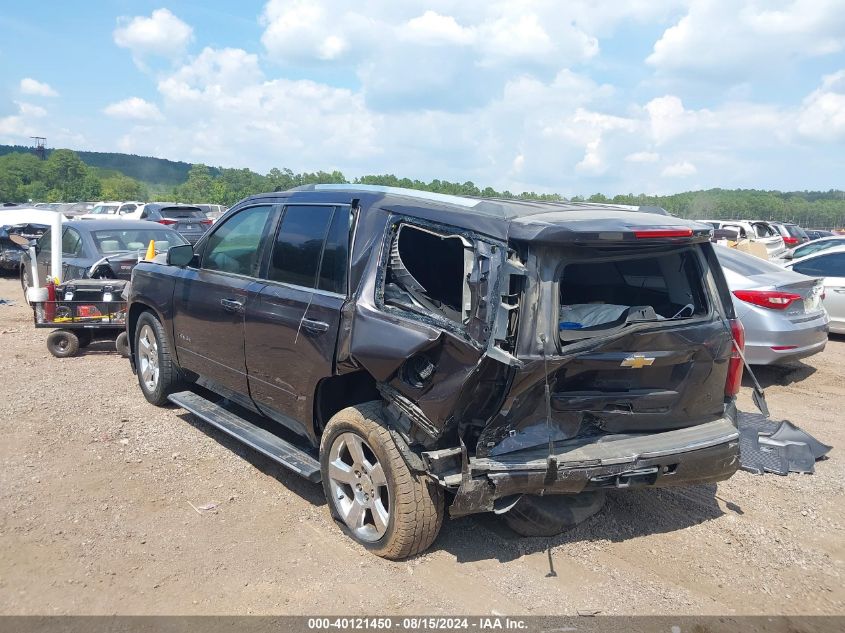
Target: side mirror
180, 255
788, 255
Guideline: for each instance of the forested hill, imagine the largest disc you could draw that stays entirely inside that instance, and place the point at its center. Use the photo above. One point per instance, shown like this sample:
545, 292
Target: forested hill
70, 176
158, 171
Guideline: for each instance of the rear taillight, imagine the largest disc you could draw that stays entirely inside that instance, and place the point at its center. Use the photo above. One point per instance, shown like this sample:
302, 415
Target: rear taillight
768, 298
790, 241
735, 363
648, 234
206, 222
167, 222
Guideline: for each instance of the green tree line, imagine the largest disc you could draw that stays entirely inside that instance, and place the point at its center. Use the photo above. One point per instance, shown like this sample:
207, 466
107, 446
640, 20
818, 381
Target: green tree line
65, 177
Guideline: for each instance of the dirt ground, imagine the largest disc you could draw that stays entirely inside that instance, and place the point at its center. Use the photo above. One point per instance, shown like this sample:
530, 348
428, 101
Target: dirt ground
96, 517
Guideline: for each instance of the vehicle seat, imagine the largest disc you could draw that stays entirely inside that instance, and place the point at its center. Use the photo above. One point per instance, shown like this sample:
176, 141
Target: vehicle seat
135, 245
109, 246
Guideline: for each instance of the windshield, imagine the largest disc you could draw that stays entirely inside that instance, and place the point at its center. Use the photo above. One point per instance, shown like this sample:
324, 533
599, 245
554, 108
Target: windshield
743, 263
105, 209
608, 291
176, 212
815, 247
117, 240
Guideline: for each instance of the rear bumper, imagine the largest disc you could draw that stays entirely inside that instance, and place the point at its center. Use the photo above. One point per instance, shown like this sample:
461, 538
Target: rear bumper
805, 339
704, 453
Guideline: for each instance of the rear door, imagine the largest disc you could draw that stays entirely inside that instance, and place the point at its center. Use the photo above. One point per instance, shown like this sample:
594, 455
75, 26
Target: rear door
292, 323
210, 301
831, 266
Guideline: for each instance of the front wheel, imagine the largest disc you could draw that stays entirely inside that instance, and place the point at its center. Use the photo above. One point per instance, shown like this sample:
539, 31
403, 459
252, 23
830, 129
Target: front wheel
390, 510
158, 375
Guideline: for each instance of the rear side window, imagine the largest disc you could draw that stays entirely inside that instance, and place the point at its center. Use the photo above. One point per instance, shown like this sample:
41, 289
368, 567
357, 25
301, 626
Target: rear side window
299, 245
830, 265
71, 243
234, 247
336, 253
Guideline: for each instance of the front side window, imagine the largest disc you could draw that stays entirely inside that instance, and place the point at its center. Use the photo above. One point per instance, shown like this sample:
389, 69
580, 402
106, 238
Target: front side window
235, 246
832, 265
299, 245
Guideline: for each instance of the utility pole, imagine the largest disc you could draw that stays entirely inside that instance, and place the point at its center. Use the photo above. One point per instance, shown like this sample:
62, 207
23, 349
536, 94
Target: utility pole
39, 149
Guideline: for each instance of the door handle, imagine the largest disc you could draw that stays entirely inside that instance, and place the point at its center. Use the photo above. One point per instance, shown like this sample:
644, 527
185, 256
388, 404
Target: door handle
315, 327
839, 289
230, 305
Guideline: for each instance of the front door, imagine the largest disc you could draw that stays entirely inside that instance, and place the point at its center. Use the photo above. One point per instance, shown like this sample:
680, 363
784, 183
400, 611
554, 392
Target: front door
210, 302
831, 266
292, 324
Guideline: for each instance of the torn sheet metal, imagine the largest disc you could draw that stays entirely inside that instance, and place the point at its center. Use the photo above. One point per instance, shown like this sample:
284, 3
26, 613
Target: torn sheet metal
766, 446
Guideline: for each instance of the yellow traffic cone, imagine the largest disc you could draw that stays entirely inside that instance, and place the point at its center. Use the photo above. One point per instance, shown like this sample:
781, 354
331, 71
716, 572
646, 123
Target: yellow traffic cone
151, 251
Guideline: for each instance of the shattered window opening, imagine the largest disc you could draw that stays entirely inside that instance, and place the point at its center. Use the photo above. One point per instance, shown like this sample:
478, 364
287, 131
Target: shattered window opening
428, 273
596, 296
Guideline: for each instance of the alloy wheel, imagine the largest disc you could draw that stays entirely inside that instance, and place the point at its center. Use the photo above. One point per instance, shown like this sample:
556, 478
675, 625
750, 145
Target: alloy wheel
148, 357
359, 489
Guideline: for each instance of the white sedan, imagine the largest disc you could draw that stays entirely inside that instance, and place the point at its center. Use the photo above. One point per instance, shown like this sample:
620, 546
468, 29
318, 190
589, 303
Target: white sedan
829, 264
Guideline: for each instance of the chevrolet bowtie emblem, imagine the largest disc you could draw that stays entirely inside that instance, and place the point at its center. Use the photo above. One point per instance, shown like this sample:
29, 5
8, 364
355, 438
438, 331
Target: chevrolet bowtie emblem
637, 361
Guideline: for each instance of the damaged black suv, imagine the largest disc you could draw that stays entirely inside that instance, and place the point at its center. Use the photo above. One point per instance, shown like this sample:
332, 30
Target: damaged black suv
408, 348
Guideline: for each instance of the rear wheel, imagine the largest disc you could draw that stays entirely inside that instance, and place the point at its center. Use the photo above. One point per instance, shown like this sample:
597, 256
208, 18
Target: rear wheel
158, 375
62, 343
390, 510
121, 344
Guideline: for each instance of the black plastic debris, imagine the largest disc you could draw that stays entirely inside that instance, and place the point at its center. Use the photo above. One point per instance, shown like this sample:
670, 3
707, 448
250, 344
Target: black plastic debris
766, 446
6, 302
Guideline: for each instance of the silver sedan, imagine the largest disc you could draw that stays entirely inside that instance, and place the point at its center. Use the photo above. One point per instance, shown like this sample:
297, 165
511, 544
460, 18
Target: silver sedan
781, 311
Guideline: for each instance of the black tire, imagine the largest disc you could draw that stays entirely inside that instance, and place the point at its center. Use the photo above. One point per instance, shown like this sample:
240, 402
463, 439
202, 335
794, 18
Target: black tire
168, 376
62, 343
25, 283
416, 502
552, 514
121, 344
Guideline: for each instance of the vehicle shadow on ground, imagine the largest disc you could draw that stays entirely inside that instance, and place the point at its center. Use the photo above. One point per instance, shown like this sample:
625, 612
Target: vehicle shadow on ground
311, 492
779, 375
626, 515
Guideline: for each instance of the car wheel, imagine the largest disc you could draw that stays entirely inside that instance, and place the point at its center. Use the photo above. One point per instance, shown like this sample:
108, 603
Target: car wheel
25, 282
158, 375
121, 344
371, 492
62, 343
548, 515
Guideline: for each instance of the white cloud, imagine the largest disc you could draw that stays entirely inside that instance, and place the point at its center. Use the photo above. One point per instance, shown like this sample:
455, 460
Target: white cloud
642, 157
29, 86
679, 170
303, 30
161, 35
24, 124
133, 108
495, 92
433, 28
822, 116
727, 37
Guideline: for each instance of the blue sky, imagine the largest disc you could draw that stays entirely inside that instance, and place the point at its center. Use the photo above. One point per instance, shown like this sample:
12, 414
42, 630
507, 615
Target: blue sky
576, 97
